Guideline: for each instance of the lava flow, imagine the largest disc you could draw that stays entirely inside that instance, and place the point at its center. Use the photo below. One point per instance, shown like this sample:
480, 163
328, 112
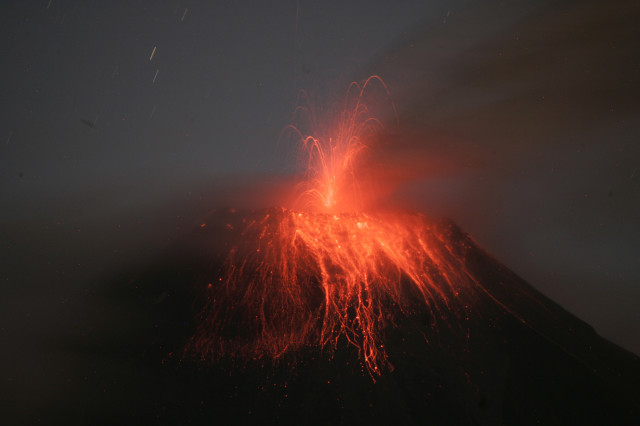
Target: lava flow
329, 270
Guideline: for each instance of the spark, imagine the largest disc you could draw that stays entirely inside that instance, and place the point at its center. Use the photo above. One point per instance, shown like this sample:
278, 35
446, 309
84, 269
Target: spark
155, 76
153, 52
184, 14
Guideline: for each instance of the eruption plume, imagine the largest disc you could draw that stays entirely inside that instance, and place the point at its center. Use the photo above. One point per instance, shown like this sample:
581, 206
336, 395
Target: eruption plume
335, 178
330, 269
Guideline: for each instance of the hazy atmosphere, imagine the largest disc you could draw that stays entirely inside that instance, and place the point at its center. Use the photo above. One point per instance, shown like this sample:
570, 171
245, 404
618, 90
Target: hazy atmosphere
124, 123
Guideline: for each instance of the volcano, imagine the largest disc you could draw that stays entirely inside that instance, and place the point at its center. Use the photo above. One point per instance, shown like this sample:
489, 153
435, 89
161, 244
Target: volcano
333, 310
474, 345
336, 311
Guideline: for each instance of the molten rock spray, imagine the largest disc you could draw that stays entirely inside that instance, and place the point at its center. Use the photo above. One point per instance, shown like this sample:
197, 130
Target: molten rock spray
329, 269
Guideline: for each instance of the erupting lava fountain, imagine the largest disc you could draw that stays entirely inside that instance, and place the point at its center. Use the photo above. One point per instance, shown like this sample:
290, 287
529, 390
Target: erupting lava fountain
330, 268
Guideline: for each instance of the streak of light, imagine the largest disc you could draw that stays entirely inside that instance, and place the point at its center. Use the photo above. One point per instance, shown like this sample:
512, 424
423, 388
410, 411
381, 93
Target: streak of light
184, 14
152, 53
155, 76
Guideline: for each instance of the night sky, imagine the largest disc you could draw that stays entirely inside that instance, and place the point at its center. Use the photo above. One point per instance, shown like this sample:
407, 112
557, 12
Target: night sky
125, 122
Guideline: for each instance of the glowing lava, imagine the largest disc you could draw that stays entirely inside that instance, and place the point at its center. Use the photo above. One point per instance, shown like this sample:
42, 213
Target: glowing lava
326, 270
334, 175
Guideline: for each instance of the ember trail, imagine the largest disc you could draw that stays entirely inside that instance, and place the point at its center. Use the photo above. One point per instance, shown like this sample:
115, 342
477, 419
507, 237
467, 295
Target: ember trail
328, 269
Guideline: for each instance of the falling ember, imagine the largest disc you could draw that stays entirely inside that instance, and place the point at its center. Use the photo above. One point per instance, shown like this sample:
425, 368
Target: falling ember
328, 270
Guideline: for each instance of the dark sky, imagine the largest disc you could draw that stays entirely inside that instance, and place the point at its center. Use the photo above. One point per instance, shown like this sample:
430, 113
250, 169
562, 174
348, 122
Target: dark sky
124, 122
